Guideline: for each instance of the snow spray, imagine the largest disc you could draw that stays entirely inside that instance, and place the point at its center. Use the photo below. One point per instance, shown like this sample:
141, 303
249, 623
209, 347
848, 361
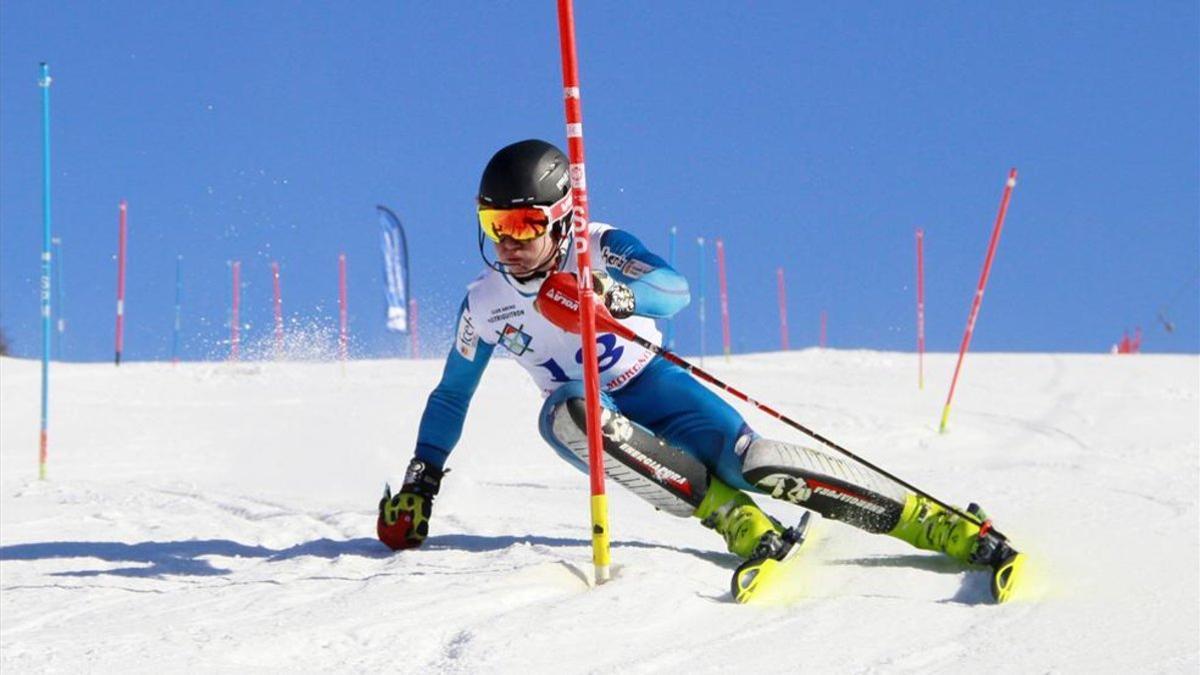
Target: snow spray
278, 310
343, 335
234, 322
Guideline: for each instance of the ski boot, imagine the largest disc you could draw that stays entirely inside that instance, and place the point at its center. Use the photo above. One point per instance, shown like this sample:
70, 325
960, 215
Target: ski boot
765, 546
769, 562
932, 527
993, 550
738, 519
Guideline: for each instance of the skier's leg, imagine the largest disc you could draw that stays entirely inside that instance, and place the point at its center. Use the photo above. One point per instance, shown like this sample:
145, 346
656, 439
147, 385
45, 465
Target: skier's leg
846, 491
683, 414
672, 404
668, 478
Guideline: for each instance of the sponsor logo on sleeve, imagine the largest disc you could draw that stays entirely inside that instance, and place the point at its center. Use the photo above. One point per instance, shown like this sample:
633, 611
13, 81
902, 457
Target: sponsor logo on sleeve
636, 269
467, 339
614, 260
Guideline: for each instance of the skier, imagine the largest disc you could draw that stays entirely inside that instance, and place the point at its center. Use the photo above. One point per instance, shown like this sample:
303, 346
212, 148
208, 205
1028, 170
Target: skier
667, 438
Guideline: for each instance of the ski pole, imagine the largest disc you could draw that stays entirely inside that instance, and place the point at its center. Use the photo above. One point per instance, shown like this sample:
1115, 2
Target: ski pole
556, 301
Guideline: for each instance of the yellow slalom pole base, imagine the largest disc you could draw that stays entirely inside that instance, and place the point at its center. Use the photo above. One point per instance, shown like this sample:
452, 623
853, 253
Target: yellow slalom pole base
42, 471
600, 552
945, 416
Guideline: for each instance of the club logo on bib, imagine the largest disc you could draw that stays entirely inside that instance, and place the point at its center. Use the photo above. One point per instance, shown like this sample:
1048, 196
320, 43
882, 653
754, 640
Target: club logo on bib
515, 339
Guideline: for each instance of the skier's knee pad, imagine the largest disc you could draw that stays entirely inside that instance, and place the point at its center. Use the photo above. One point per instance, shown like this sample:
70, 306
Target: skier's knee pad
829, 485
665, 476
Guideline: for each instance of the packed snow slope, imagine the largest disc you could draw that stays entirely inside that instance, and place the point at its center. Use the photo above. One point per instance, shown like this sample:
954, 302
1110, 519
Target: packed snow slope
220, 518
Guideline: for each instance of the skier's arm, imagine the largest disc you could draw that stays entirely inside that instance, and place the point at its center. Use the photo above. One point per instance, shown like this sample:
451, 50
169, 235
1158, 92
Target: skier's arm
404, 518
659, 291
446, 409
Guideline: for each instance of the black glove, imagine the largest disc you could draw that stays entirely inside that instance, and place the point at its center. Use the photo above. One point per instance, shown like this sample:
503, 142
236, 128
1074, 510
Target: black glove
404, 518
617, 297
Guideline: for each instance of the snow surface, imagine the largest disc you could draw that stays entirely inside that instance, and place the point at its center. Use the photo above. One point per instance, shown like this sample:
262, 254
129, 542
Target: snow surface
220, 518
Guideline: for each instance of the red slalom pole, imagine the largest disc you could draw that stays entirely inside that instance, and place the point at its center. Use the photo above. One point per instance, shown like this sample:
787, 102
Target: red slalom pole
235, 321
824, 322
343, 333
783, 328
983, 279
278, 310
121, 237
573, 105
414, 343
920, 309
724, 296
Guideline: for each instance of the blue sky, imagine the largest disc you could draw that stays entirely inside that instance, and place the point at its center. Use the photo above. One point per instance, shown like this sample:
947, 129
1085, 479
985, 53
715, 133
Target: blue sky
812, 137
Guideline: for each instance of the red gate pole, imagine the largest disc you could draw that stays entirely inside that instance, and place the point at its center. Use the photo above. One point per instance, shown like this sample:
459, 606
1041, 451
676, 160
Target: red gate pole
983, 279
121, 237
724, 297
587, 310
920, 309
783, 327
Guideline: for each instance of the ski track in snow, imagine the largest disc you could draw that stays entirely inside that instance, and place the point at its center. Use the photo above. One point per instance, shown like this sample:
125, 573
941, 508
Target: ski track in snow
220, 518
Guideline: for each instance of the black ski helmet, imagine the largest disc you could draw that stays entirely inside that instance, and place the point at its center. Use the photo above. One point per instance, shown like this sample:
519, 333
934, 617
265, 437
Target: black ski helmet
527, 173
524, 173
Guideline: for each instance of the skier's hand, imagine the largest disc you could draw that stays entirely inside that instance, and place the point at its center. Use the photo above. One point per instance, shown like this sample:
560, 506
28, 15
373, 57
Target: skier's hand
404, 518
558, 301
617, 297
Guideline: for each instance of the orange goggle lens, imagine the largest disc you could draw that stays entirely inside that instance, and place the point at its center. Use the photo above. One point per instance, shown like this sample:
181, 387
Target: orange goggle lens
522, 223
519, 224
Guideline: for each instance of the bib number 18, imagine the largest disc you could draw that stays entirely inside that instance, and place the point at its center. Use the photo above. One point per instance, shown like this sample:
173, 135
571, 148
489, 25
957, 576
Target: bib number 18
608, 355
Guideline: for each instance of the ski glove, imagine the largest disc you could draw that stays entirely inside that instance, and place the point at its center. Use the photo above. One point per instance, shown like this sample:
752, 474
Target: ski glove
617, 297
404, 518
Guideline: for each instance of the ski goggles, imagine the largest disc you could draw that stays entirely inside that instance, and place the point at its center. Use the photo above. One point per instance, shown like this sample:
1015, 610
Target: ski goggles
523, 223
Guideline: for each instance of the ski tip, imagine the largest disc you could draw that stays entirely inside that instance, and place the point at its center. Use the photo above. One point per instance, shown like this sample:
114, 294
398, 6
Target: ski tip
746, 578
1008, 576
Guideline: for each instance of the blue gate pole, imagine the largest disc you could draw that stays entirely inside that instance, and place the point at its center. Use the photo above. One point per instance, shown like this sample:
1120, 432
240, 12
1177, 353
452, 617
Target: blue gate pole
669, 338
44, 83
